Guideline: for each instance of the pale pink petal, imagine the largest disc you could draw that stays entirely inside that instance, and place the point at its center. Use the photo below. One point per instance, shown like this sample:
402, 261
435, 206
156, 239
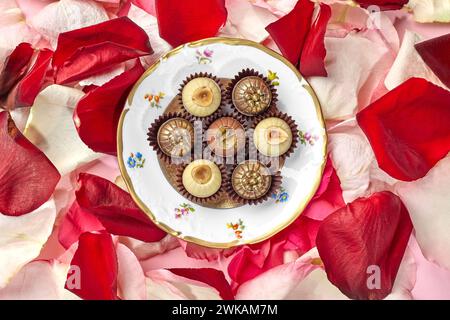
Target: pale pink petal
39, 280
163, 284
409, 64
66, 15
348, 71
406, 278
146, 250
427, 201
278, 282
22, 238
50, 127
277, 7
130, 277
32, 7
149, 24
355, 162
430, 10
248, 21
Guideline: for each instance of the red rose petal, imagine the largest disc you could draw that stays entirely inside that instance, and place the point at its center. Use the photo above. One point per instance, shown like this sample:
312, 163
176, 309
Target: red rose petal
370, 231
95, 261
77, 221
27, 177
435, 53
29, 87
83, 52
15, 67
290, 31
212, 277
314, 52
115, 209
189, 20
97, 114
408, 128
383, 4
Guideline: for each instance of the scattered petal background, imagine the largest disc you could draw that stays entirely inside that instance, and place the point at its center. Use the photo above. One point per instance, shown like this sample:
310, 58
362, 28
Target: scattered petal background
352, 57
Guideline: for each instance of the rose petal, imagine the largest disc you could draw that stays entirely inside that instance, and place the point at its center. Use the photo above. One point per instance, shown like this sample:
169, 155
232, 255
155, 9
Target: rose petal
29, 87
150, 25
406, 278
355, 162
38, 280
199, 252
130, 277
248, 21
382, 4
189, 20
15, 67
408, 64
91, 50
290, 32
211, 277
407, 149
328, 196
429, 206
96, 261
278, 282
163, 284
97, 113
27, 178
314, 52
66, 15
77, 221
22, 238
368, 232
277, 7
51, 128
430, 10
146, 5
115, 209
433, 52
145, 250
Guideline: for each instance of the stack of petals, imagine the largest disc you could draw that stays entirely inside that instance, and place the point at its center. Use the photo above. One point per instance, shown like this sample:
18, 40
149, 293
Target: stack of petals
377, 227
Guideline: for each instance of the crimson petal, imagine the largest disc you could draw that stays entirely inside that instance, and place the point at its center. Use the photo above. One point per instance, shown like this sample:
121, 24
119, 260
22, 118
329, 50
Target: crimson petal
95, 265
27, 177
314, 52
214, 278
408, 128
383, 4
290, 31
115, 209
15, 67
189, 20
83, 52
366, 235
97, 114
435, 53
29, 87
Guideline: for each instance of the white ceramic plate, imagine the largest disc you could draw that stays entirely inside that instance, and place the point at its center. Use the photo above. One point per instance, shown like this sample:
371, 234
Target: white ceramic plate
220, 228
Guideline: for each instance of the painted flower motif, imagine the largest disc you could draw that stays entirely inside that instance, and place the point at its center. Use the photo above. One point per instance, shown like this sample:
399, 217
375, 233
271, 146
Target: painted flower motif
154, 99
183, 210
237, 228
273, 78
135, 160
306, 137
205, 56
280, 196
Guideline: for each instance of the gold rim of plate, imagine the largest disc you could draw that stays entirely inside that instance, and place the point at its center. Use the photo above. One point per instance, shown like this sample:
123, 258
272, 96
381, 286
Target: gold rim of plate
143, 206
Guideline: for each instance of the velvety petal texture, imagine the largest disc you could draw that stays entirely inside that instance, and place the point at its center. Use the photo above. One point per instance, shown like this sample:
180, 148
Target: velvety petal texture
300, 39
407, 149
189, 20
95, 261
115, 209
84, 52
27, 177
382, 4
435, 54
97, 114
362, 245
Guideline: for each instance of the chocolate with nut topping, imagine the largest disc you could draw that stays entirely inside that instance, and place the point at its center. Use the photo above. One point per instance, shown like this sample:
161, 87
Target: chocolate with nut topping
176, 137
251, 95
251, 180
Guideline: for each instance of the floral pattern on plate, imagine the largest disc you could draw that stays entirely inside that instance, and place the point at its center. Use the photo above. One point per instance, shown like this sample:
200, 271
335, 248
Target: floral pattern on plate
237, 228
183, 209
135, 160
